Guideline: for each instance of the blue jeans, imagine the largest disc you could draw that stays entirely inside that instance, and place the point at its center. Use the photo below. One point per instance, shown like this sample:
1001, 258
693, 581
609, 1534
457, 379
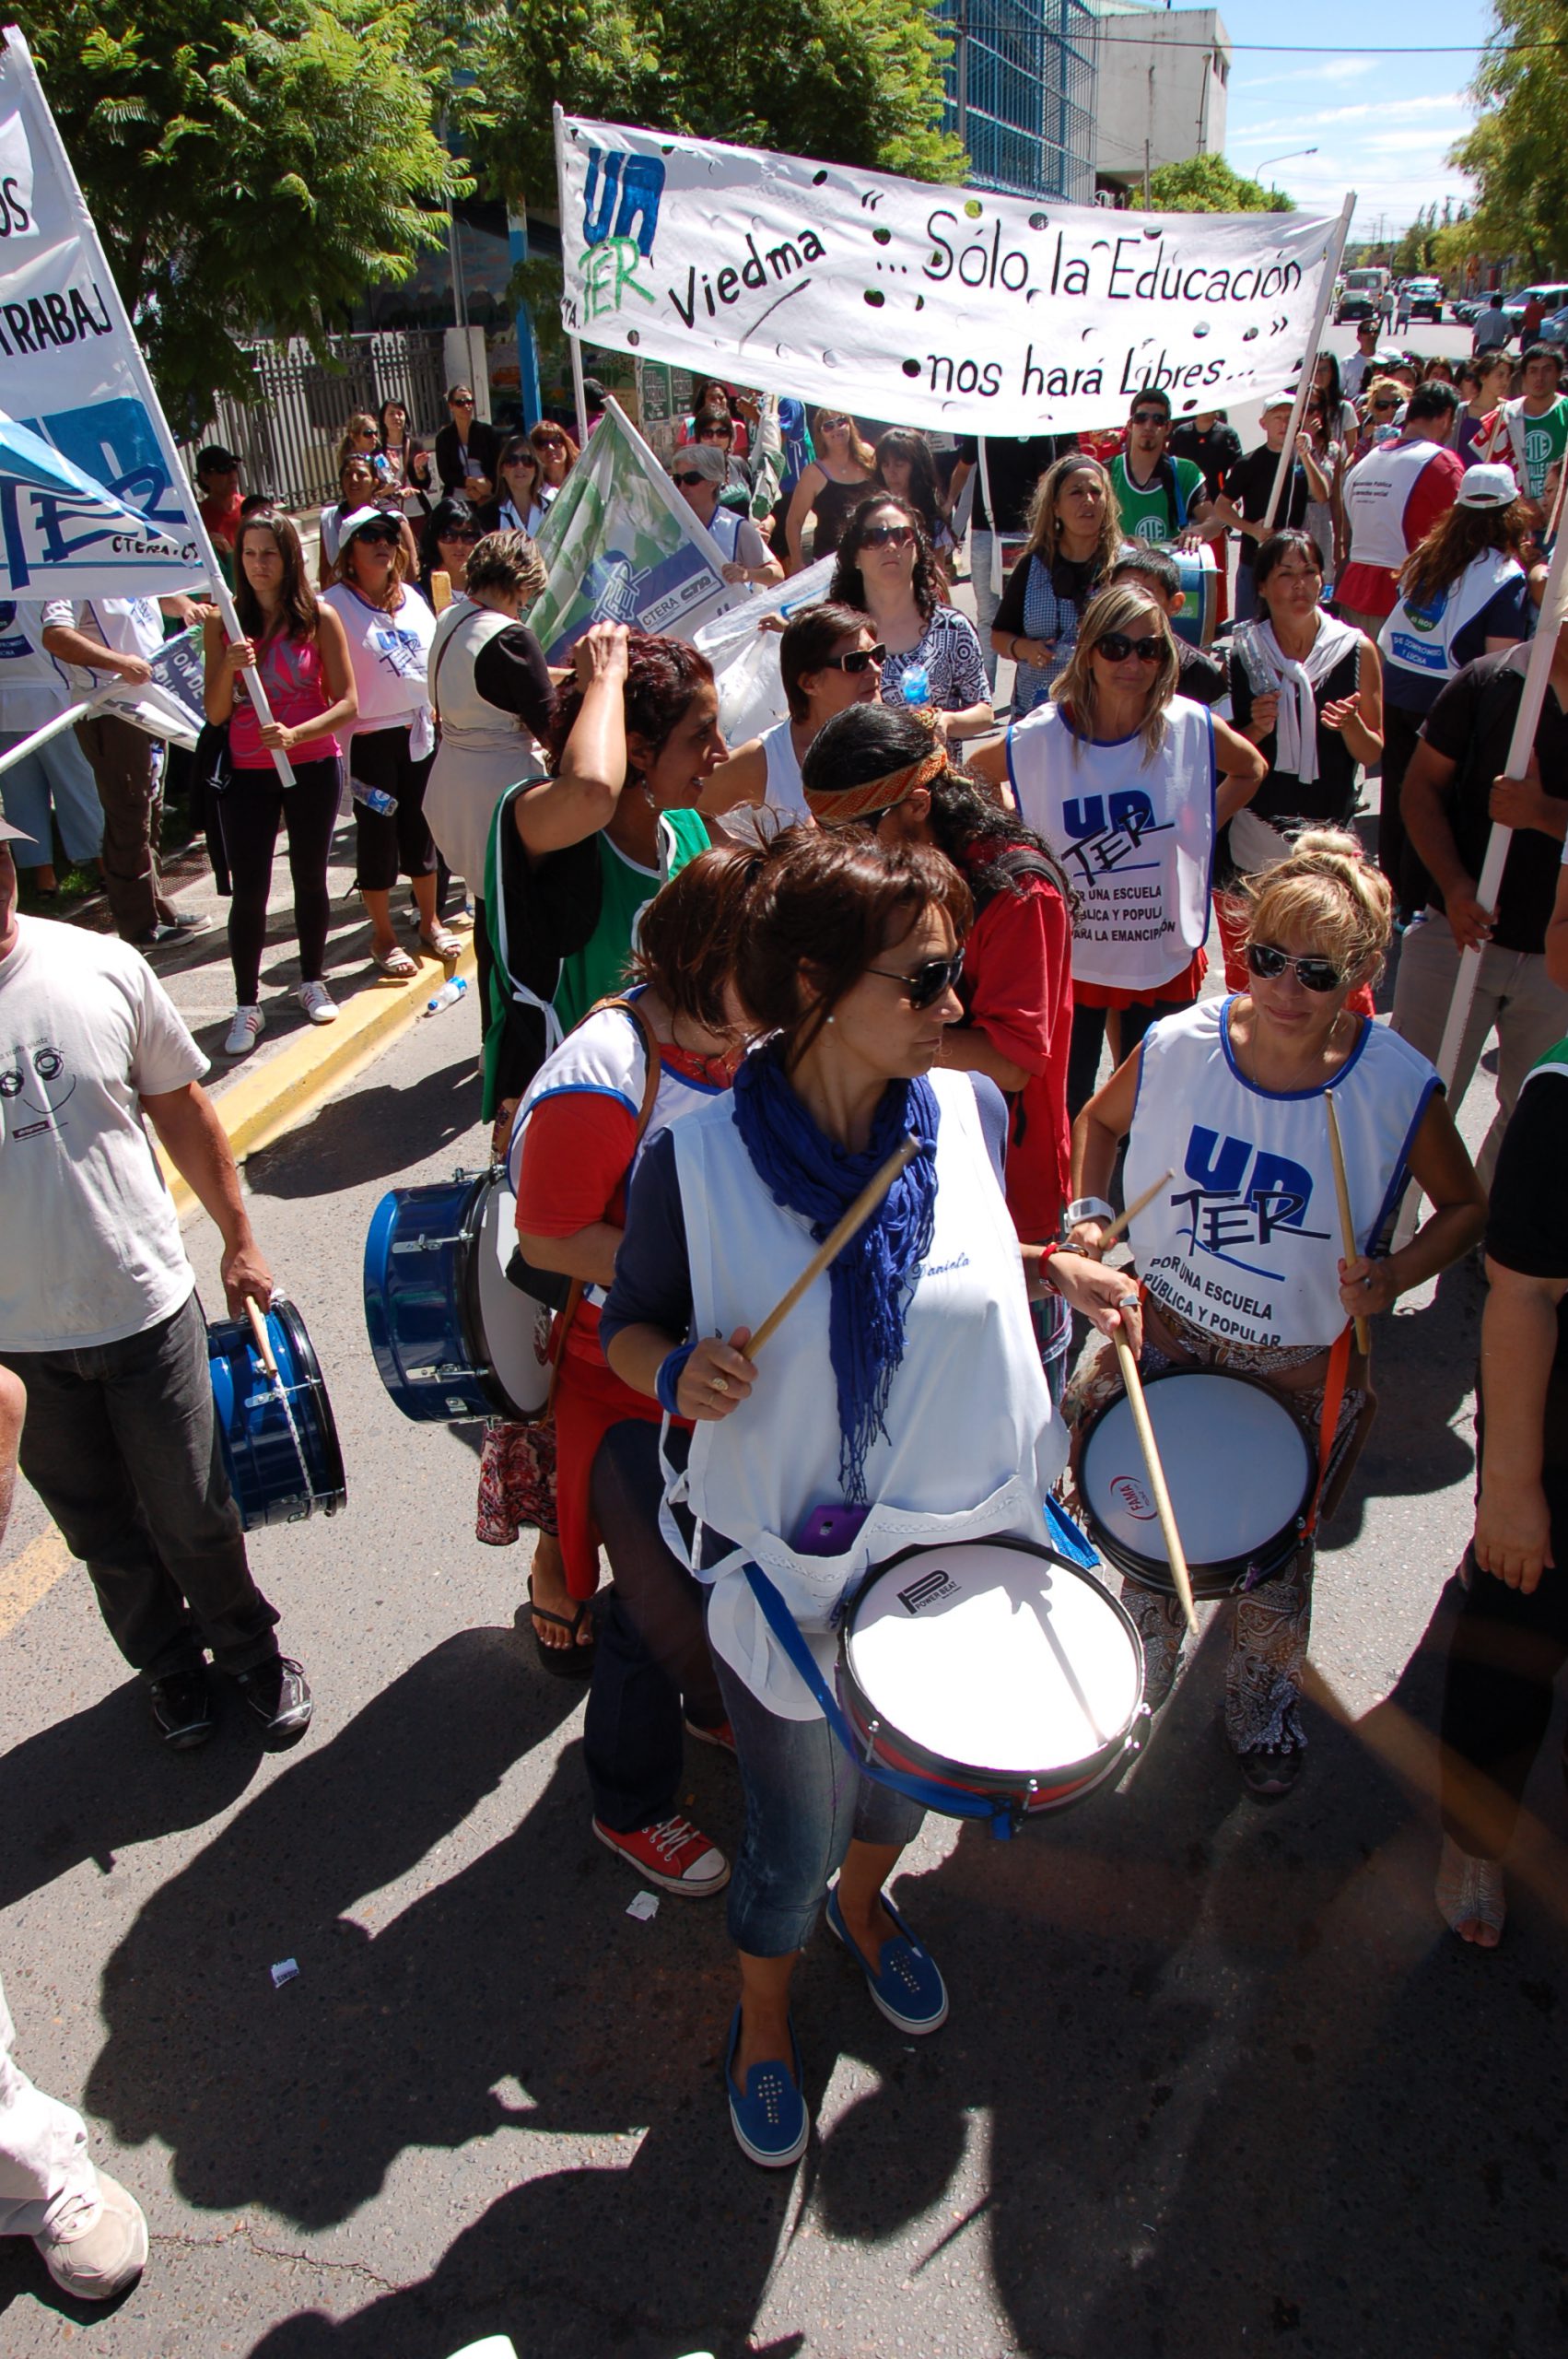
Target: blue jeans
806, 1797
122, 1446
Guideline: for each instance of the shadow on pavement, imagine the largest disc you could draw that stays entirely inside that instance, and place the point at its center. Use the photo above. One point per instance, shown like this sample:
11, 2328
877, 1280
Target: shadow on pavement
93, 1785
376, 1133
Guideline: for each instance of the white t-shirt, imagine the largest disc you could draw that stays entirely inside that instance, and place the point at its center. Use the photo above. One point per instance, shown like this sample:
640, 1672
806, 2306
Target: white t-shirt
33, 685
130, 626
89, 1241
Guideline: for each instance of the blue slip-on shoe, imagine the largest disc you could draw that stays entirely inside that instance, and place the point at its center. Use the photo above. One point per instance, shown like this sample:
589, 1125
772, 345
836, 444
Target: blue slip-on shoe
770, 2122
907, 1983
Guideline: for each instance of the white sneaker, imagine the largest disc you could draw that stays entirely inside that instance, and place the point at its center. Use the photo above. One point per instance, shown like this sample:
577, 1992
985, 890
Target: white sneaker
317, 1003
244, 1032
100, 2262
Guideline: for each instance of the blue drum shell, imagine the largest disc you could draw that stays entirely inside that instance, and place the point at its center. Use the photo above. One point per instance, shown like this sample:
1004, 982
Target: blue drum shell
421, 1312
259, 1453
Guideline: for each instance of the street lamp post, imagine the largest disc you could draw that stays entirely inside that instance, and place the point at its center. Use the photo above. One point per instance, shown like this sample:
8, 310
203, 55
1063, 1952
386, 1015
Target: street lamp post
1288, 158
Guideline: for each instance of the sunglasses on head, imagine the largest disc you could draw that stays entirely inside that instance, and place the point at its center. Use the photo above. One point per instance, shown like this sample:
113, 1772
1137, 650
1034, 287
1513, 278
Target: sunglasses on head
1115, 647
930, 979
887, 536
693, 475
859, 659
1269, 964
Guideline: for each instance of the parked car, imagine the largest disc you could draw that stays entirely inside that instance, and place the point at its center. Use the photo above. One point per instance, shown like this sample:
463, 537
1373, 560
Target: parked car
1554, 327
1423, 300
1551, 295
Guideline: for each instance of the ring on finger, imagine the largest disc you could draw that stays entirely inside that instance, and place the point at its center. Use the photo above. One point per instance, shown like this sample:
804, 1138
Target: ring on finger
1128, 1302
719, 1384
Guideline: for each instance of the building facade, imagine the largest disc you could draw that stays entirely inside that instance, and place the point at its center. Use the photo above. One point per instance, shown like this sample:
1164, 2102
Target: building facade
1161, 89
1021, 94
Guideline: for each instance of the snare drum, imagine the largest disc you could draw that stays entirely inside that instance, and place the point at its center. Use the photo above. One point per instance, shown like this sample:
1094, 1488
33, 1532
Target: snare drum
451, 1335
993, 1668
1200, 596
1238, 1467
279, 1442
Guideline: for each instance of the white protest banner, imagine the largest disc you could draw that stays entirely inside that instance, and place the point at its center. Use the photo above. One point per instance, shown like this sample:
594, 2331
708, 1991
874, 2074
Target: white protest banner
938, 307
621, 545
169, 704
71, 370
62, 532
744, 652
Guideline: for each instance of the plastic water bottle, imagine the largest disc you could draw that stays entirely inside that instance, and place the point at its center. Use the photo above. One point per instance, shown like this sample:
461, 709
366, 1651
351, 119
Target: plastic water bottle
915, 688
451, 991
374, 798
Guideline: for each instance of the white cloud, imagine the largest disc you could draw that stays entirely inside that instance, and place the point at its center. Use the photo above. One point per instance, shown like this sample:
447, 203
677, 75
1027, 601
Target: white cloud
1335, 69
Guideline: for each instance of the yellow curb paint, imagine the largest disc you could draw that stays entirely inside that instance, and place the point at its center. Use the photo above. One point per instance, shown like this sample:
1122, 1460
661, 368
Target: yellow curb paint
31, 1575
259, 1107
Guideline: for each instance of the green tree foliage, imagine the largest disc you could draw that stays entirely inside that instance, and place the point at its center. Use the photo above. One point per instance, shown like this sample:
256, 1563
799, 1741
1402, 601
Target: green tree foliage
853, 81
1207, 184
1518, 153
244, 176
1416, 255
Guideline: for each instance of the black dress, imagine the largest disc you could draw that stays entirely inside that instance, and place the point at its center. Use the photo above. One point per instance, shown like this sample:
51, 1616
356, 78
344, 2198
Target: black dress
1283, 800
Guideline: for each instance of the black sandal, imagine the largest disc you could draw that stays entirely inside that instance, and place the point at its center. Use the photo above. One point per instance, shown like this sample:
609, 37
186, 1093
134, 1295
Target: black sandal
571, 1661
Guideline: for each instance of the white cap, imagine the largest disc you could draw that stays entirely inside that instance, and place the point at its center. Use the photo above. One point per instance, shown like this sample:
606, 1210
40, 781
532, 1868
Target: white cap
361, 517
1487, 486
1285, 399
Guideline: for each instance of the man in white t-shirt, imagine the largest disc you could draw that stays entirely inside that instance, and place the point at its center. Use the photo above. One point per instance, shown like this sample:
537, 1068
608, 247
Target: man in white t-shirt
101, 640
99, 1315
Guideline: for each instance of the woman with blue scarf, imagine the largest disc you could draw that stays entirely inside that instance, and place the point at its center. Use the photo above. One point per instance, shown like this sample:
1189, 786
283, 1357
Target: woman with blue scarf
901, 1403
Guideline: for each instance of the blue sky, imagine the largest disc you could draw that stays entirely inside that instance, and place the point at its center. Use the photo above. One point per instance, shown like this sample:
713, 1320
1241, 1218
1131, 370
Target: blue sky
1381, 125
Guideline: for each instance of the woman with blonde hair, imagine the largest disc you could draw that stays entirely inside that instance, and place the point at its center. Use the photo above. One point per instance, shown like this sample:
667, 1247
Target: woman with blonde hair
1239, 1253
1076, 537
1127, 782
830, 489
559, 454
491, 692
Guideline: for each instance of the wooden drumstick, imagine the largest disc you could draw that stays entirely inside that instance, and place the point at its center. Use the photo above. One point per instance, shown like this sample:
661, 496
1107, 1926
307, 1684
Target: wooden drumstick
264, 1341
1156, 1473
832, 1244
1140, 1205
441, 589
1347, 1225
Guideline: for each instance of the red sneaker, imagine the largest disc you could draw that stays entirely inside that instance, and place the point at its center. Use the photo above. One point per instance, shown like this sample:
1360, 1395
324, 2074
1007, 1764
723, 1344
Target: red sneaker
675, 1855
721, 1733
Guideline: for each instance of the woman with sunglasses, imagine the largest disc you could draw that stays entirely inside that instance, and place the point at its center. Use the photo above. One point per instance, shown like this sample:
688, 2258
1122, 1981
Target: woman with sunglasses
452, 532
906, 1400
1246, 1273
467, 450
883, 768
831, 487
887, 567
829, 658
1127, 782
1308, 691
1076, 537
558, 455
296, 646
395, 446
522, 483
358, 489
390, 628
1380, 405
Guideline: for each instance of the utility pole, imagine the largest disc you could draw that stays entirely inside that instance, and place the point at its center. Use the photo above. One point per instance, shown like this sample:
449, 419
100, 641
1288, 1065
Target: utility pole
1146, 148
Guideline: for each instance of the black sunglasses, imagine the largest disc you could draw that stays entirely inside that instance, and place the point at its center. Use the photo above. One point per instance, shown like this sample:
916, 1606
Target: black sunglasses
1147, 417
693, 474
859, 659
461, 533
930, 979
379, 539
887, 536
1115, 647
461, 400
1312, 974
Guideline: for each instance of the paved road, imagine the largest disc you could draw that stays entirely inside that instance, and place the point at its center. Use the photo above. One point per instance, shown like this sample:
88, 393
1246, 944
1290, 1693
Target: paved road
1216, 2081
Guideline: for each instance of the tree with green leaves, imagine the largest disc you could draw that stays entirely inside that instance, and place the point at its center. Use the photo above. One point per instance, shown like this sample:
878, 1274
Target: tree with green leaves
1207, 184
245, 176
1518, 154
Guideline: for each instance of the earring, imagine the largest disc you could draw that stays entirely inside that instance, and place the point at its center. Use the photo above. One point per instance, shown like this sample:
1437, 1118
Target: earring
831, 1019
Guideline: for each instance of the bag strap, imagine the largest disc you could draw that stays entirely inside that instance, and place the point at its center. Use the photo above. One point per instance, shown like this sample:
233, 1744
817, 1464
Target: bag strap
655, 1065
951, 1801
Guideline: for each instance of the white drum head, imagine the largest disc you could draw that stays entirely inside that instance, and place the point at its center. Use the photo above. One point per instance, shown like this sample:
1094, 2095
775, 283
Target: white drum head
517, 1329
1236, 1466
996, 1657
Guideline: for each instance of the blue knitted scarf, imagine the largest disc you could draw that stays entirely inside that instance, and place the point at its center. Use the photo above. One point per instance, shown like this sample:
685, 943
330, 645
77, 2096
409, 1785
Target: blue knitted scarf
874, 1278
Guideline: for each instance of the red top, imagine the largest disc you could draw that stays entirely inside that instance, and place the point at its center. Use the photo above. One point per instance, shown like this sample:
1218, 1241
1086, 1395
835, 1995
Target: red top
1180, 990
296, 690
1018, 987
1372, 589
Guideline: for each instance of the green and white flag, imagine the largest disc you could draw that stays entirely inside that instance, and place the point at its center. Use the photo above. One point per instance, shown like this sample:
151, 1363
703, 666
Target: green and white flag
621, 545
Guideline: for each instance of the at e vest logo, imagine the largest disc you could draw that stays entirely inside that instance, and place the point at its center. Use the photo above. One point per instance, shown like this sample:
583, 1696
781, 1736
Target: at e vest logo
1243, 1197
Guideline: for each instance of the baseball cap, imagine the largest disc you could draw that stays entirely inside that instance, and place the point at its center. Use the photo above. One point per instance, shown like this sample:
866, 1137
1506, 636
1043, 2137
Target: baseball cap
213, 459
1285, 399
1487, 486
361, 517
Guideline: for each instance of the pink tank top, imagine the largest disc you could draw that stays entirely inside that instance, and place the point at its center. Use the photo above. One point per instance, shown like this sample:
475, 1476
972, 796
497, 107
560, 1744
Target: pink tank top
296, 690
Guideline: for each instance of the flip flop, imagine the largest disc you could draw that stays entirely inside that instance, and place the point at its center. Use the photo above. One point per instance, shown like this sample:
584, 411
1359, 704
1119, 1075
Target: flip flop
563, 1662
442, 944
396, 965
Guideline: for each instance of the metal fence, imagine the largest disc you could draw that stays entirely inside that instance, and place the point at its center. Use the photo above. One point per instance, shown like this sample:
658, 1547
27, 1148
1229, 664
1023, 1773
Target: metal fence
288, 436
1021, 94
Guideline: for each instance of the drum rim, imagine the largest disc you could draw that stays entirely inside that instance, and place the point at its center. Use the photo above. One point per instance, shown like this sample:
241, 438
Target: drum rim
291, 1321
508, 1409
1212, 1575
471, 1309
1005, 1783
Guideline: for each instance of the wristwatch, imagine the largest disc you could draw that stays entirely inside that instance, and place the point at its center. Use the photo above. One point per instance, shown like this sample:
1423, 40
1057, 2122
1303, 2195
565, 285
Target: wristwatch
1088, 1208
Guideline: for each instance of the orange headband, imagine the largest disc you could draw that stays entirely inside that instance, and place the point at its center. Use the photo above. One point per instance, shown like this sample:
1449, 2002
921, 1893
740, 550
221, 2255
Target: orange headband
839, 807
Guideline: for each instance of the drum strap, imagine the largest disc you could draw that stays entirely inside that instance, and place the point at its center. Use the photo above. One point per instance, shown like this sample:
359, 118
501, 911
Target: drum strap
951, 1801
655, 1065
1329, 1425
